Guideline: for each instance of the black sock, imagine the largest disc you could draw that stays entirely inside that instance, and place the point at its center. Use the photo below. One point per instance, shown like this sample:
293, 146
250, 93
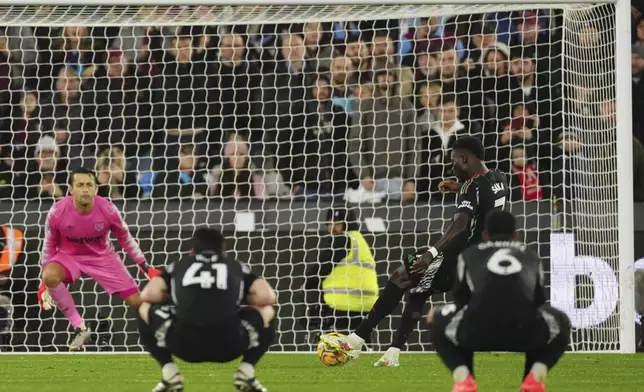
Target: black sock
149, 341
265, 337
410, 317
384, 306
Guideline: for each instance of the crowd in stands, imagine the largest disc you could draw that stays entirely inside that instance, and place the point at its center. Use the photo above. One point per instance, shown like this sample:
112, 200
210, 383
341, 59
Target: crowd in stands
365, 110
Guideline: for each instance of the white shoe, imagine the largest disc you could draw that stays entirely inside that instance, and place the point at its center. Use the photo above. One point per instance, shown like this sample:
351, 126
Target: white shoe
81, 337
389, 359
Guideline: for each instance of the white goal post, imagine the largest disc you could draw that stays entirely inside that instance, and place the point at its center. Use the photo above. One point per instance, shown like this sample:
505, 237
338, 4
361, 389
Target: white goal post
350, 103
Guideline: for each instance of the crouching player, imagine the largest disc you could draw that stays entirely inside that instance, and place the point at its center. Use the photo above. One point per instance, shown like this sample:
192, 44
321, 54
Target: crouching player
193, 311
499, 306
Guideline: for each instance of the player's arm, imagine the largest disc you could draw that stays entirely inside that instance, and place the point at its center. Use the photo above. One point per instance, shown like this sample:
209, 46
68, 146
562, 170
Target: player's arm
52, 236
129, 244
467, 204
156, 291
257, 291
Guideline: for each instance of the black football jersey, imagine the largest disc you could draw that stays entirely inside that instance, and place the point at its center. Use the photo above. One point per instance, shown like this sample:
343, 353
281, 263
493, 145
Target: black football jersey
479, 196
499, 276
207, 288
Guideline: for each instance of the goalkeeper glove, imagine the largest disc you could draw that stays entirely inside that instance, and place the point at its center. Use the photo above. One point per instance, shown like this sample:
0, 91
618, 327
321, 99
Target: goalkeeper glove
44, 299
149, 271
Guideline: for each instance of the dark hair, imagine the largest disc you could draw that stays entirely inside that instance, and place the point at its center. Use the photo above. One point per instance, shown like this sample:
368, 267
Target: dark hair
447, 98
500, 223
234, 180
207, 239
82, 170
471, 144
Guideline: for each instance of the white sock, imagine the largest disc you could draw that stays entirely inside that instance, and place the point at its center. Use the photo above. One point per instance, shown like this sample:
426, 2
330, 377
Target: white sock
393, 350
355, 341
540, 370
460, 373
83, 327
247, 369
169, 370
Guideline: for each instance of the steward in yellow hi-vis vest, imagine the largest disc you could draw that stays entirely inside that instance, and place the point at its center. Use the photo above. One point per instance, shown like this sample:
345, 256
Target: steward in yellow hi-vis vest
352, 285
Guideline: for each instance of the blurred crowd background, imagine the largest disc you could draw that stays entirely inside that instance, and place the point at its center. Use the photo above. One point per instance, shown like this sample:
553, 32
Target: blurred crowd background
364, 110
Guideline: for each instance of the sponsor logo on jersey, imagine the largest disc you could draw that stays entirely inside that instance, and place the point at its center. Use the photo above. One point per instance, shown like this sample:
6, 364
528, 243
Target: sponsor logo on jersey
498, 187
84, 240
466, 204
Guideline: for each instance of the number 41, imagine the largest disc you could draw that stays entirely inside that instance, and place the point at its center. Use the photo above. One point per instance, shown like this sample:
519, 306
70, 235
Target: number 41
205, 278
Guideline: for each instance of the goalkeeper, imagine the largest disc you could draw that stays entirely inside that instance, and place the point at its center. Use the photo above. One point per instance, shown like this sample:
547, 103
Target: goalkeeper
77, 242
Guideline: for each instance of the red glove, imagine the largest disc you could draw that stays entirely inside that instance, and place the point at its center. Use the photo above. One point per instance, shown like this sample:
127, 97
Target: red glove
149, 271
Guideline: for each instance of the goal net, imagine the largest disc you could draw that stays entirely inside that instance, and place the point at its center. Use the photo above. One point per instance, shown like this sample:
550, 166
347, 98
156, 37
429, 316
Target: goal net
258, 119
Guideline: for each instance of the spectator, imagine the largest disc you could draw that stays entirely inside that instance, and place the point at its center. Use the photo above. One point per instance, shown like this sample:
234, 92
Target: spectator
416, 40
383, 52
186, 177
638, 32
342, 78
357, 50
11, 183
180, 97
6, 68
495, 83
568, 164
114, 181
330, 123
526, 182
236, 177
437, 143
236, 89
319, 51
455, 80
519, 132
65, 105
383, 143
479, 36
45, 179
526, 89
429, 95
111, 103
22, 129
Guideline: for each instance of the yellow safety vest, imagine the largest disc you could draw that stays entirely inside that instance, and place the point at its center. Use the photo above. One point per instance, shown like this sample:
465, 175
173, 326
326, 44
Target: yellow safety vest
352, 285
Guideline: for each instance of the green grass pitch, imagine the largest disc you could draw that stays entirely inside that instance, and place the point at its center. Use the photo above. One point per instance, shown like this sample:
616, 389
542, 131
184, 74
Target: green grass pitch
304, 372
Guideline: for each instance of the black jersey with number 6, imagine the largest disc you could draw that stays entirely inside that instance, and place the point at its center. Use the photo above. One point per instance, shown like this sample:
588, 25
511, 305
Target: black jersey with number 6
499, 277
480, 195
207, 288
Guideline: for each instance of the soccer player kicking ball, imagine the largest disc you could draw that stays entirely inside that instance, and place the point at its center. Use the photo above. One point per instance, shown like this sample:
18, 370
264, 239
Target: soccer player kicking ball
499, 306
424, 274
77, 242
192, 311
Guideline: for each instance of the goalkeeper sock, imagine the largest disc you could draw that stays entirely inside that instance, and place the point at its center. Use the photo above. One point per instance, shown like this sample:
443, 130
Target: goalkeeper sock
64, 301
254, 354
169, 371
539, 370
384, 306
146, 336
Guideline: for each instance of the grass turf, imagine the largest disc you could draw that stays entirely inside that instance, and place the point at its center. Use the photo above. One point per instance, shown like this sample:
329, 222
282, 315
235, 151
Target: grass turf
304, 372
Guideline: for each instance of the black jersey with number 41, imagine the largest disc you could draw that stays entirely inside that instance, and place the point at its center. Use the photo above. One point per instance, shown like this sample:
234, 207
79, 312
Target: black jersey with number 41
480, 195
207, 288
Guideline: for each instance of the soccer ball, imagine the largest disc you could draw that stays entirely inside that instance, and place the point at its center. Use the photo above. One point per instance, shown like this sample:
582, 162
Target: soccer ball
330, 356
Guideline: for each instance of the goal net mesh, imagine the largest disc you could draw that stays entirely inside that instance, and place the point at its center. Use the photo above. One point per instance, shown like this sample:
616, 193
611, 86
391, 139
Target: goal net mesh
258, 119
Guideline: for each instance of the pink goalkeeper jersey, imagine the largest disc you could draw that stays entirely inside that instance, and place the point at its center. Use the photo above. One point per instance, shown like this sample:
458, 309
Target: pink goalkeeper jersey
70, 232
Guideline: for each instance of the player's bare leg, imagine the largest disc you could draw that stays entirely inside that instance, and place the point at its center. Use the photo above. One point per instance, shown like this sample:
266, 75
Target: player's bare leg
258, 324
171, 380
55, 293
399, 282
133, 301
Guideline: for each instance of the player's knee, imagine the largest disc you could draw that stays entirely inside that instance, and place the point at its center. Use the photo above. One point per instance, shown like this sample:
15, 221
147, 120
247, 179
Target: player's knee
400, 278
144, 310
53, 275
